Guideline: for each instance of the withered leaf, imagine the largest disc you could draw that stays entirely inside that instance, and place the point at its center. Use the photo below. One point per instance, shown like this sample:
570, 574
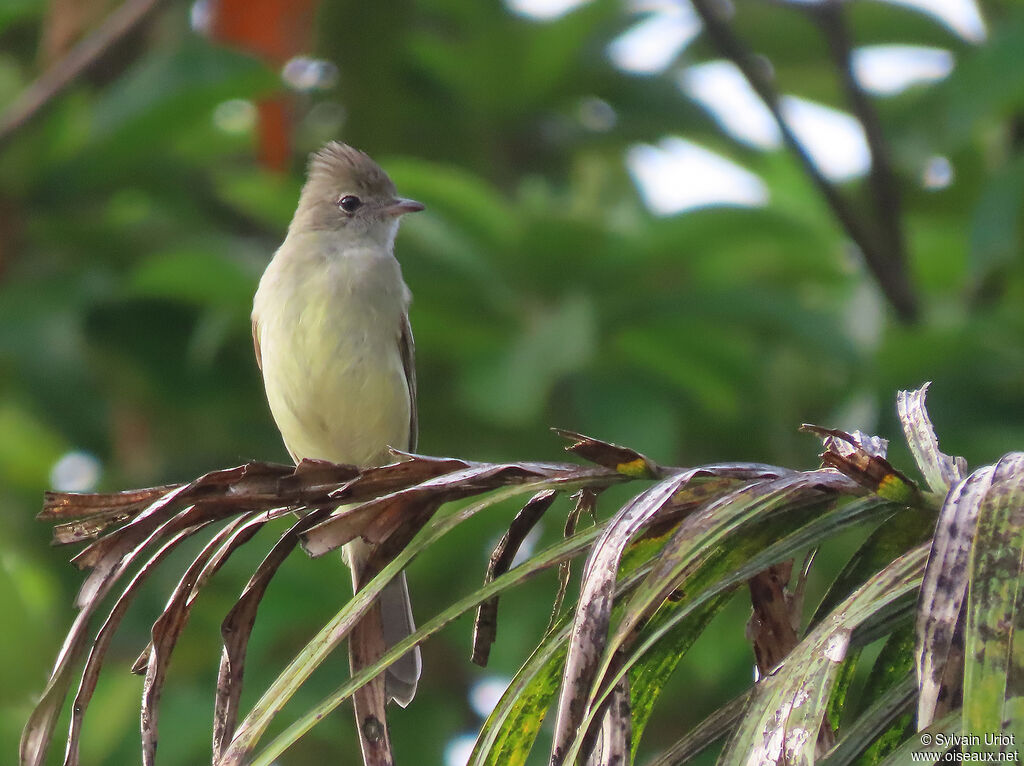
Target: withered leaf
38, 730
941, 604
377, 519
857, 457
941, 471
614, 740
485, 626
590, 626
77, 505
620, 459
236, 629
586, 502
172, 621
100, 644
771, 628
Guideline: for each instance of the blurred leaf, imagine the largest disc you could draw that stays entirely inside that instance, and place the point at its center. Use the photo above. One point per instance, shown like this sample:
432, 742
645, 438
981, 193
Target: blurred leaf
145, 354
29, 595
117, 705
556, 341
28, 449
995, 226
477, 208
884, 22
627, 412
162, 95
11, 78
988, 83
266, 198
14, 11
179, 85
709, 388
201, 275
543, 56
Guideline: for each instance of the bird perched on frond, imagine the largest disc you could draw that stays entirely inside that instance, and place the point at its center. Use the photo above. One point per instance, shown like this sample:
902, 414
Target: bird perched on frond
331, 329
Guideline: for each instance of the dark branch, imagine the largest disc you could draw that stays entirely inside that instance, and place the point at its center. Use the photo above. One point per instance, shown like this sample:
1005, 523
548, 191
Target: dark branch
63, 72
885, 191
886, 267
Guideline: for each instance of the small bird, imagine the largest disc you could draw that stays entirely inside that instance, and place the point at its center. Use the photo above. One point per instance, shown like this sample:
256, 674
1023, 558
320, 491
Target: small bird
330, 324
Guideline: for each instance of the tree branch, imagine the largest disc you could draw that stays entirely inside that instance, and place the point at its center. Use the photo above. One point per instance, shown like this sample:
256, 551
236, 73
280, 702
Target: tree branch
887, 267
51, 83
885, 192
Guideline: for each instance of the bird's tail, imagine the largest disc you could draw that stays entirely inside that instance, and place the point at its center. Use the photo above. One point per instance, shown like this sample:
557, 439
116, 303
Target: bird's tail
396, 622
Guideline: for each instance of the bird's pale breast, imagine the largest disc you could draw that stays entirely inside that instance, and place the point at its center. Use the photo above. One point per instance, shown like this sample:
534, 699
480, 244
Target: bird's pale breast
329, 342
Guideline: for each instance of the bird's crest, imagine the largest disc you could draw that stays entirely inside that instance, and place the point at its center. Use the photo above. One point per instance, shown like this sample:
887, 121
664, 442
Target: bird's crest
344, 167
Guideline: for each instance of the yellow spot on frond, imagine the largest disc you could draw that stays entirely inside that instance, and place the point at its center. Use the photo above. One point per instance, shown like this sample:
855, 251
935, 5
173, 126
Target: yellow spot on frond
634, 468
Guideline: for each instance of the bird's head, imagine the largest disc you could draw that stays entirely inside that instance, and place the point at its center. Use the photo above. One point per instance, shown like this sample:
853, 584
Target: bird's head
348, 192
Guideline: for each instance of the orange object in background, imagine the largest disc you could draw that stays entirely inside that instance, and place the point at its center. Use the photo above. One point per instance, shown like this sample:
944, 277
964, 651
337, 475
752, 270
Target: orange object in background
275, 30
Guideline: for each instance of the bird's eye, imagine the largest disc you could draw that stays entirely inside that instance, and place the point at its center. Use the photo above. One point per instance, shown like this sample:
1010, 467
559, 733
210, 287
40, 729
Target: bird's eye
350, 203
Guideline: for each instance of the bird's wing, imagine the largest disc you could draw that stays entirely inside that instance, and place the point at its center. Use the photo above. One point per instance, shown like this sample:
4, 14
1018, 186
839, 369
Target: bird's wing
256, 342
407, 347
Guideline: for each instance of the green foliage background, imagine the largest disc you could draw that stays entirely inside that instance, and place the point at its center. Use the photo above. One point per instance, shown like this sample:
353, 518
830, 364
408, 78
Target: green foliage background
133, 231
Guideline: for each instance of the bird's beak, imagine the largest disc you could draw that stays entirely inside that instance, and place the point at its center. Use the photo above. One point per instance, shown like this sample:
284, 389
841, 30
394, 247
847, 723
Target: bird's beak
401, 206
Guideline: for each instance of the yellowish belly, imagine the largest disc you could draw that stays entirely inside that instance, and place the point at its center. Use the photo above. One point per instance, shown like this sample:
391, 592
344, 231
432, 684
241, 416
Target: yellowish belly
343, 410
